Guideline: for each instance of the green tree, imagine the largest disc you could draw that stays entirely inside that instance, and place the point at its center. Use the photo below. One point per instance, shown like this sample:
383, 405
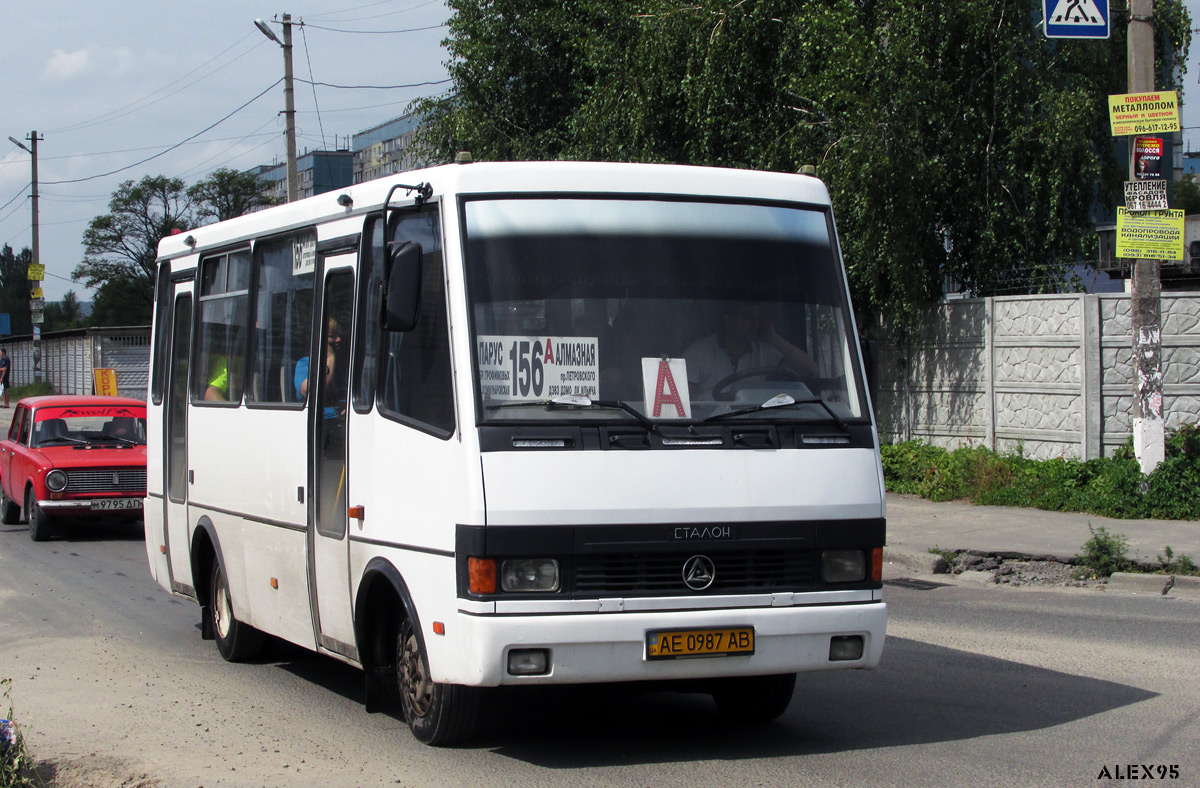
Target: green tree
120, 302
955, 138
64, 314
14, 288
120, 247
1185, 195
226, 194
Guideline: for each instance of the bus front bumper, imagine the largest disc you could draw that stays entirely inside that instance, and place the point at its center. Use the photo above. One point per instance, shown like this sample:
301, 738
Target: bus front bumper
612, 647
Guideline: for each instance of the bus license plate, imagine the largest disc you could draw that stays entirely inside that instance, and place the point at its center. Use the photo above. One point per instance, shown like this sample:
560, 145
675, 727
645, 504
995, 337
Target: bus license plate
674, 644
116, 504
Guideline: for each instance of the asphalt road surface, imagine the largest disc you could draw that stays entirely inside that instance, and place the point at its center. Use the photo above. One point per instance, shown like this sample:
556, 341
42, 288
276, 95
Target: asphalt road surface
979, 686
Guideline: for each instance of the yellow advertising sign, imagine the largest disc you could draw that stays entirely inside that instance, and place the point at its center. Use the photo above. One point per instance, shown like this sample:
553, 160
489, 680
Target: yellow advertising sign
35, 293
106, 381
1144, 113
1150, 235
37, 272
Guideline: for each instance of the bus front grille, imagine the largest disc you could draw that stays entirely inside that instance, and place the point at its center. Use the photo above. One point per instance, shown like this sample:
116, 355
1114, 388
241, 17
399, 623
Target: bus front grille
662, 574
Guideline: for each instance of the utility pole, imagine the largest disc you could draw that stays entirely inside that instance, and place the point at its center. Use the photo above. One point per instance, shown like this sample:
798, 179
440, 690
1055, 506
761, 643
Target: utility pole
32, 151
1149, 435
289, 99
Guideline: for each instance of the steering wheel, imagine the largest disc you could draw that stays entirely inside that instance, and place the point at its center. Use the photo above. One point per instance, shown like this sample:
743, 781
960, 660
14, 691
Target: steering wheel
725, 388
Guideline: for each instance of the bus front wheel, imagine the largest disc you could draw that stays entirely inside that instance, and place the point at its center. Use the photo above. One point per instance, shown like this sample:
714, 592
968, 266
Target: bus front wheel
237, 642
437, 714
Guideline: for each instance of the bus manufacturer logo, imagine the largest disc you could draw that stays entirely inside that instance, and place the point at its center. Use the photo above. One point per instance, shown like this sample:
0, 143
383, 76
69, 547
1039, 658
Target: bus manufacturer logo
698, 572
116, 479
691, 532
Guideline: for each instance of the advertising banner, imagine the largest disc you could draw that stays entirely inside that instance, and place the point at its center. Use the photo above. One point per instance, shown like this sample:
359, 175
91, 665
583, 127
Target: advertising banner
1144, 113
1146, 195
1150, 235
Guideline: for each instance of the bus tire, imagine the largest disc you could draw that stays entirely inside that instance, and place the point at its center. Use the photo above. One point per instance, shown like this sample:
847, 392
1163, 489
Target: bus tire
39, 521
10, 511
754, 698
437, 714
237, 642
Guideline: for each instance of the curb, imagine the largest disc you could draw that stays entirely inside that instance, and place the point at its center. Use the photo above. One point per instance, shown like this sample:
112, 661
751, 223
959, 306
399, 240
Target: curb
1153, 585
899, 561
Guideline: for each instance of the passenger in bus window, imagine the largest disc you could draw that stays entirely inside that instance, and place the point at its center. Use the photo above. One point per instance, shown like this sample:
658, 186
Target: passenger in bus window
334, 357
218, 380
744, 341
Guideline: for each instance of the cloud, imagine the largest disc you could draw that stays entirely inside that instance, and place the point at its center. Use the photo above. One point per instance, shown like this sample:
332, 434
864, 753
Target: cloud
65, 66
68, 65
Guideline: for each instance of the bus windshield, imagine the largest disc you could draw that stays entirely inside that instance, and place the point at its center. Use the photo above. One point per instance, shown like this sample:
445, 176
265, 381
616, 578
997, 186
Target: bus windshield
618, 309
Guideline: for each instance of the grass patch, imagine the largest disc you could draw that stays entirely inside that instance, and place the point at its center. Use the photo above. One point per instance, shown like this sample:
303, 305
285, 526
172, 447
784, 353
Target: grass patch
17, 393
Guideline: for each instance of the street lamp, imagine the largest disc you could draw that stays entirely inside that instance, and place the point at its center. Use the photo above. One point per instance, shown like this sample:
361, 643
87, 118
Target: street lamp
289, 101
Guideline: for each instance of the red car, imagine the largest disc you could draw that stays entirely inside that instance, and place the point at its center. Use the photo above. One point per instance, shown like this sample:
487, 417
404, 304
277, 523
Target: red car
73, 456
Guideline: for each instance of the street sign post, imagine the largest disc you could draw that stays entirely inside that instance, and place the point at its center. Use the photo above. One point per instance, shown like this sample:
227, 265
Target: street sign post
1076, 18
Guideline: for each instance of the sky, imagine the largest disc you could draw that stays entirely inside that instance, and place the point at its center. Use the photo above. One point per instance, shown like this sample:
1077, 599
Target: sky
130, 89
117, 92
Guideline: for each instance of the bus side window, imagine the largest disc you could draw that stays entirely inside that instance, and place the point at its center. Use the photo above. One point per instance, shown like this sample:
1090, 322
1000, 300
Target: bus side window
416, 384
224, 309
282, 316
366, 348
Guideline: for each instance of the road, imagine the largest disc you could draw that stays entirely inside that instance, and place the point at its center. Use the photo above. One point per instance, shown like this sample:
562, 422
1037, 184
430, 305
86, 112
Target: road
979, 686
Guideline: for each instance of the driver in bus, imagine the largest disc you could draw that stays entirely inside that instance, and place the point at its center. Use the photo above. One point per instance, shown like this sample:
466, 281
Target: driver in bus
745, 341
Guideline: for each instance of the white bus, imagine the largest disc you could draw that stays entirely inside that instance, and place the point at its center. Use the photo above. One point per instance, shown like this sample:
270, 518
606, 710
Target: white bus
570, 423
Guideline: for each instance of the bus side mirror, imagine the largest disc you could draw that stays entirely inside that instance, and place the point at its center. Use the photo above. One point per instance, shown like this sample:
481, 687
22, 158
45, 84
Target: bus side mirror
402, 287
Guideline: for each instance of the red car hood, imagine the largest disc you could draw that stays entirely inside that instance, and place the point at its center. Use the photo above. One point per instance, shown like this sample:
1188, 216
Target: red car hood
77, 456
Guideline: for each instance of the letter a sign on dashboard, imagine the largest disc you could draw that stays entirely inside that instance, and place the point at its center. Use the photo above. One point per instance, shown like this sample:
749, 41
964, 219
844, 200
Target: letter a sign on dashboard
1076, 18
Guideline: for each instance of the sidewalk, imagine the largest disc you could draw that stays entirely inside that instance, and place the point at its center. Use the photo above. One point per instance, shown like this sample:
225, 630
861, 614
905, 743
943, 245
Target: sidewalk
914, 525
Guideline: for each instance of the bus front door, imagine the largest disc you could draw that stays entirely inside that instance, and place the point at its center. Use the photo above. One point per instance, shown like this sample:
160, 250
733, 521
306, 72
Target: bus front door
176, 533
328, 543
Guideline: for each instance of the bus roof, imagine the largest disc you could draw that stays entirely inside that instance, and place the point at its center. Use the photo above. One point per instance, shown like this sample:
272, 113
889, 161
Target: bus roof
504, 178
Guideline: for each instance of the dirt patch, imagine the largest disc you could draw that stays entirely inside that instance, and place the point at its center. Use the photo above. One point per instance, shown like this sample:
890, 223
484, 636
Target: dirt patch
92, 771
1020, 570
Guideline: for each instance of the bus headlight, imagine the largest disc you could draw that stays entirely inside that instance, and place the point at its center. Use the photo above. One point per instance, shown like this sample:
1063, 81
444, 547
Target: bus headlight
56, 481
529, 574
843, 566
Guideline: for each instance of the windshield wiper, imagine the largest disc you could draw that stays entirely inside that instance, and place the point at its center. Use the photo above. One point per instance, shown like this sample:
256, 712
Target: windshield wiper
59, 439
580, 401
577, 401
115, 438
781, 401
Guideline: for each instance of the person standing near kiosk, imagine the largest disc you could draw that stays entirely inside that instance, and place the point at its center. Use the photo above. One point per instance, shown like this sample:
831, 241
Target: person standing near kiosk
5, 366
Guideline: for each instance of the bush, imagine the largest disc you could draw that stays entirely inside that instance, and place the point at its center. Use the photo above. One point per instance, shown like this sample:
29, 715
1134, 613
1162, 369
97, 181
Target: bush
1110, 487
16, 764
1105, 553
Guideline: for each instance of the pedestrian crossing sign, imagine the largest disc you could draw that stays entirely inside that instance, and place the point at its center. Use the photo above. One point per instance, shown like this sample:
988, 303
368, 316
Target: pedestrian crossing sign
1076, 18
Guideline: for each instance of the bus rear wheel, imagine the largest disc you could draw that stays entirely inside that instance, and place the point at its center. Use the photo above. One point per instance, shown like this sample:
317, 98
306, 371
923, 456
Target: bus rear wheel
754, 698
237, 642
437, 714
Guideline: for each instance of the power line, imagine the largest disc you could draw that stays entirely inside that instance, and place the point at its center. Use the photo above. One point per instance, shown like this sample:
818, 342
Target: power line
15, 198
376, 87
139, 150
377, 32
376, 16
173, 147
316, 105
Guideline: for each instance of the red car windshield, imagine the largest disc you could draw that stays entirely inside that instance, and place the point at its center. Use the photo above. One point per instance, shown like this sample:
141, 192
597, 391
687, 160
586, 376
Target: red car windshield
87, 424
